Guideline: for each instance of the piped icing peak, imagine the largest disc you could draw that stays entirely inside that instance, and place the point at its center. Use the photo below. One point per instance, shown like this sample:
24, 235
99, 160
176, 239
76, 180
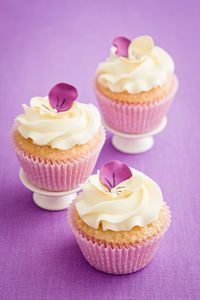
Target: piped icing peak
57, 120
135, 66
133, 200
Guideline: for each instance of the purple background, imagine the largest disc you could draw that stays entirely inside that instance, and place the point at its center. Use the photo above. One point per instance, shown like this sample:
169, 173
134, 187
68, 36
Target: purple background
45, 42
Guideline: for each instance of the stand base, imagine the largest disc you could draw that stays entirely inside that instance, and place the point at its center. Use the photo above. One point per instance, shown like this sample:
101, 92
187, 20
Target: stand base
132, 146
46, 199
53, 203
135, 143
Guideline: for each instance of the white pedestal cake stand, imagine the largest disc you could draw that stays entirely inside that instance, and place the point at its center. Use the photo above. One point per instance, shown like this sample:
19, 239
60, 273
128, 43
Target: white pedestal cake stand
46, 199
134, 143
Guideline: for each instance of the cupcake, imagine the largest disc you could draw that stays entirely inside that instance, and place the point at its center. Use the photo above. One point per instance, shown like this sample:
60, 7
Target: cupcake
135, 85
119, 219
58, 140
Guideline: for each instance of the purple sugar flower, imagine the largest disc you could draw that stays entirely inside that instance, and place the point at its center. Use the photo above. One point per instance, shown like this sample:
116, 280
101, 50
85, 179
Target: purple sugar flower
62, 96
122, 44
113, 173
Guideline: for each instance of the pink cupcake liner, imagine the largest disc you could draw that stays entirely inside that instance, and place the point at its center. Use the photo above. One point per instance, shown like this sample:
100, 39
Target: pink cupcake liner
115, 260
56, 176
134, 118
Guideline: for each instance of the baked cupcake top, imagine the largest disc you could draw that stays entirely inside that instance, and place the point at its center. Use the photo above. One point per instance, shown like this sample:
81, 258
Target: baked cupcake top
57, 120
135, 66
119, 198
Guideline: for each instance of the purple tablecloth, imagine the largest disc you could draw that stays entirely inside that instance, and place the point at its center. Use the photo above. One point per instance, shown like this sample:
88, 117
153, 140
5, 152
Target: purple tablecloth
45, 42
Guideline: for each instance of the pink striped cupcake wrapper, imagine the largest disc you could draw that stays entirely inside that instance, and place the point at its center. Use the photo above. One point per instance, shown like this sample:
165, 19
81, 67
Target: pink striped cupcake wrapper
55, 176
115, 260
134, 118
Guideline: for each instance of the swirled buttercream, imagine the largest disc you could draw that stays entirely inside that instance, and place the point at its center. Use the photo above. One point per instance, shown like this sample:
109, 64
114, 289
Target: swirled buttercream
135, 202
121, 74
63, 130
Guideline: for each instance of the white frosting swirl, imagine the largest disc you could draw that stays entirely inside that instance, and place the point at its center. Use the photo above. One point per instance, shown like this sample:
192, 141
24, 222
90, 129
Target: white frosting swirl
121, 74
138, 207
63, 130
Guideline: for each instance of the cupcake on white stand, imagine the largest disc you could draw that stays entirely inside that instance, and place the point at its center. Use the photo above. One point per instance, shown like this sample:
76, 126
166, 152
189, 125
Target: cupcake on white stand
57, 142
134, 88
